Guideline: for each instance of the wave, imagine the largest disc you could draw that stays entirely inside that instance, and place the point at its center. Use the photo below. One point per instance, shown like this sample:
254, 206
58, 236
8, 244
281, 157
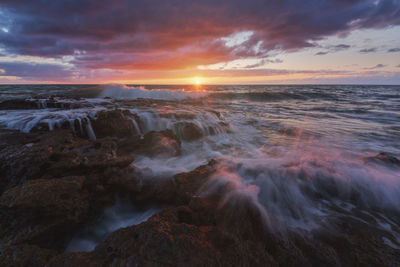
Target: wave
271, 96
125, 92
306, 192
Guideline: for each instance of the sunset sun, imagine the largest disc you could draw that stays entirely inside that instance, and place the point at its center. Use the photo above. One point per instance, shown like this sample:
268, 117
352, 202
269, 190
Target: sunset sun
197, 81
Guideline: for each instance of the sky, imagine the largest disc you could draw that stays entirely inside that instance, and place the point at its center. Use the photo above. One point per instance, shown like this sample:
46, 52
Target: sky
208, 41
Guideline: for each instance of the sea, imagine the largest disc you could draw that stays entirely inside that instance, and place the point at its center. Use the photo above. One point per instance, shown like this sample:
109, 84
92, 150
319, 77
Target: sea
302, 154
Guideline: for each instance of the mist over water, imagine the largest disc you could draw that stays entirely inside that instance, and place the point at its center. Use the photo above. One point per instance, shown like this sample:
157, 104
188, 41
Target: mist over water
299, 154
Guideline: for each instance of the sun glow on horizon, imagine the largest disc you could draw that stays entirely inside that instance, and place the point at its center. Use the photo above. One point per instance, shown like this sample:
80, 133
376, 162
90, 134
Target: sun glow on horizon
197, 81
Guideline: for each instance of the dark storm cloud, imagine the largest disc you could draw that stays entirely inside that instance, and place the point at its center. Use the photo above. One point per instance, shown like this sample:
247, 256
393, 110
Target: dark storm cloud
394, 50
157, 33
31, 72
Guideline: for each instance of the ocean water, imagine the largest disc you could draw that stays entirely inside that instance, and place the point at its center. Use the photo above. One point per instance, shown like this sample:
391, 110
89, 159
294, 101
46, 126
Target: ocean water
298, 153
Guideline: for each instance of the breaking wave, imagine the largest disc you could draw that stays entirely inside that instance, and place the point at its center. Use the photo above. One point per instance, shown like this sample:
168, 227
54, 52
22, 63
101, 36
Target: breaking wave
126, 92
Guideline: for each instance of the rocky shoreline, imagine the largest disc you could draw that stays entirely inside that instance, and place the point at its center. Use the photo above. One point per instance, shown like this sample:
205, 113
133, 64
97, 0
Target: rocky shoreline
55, 183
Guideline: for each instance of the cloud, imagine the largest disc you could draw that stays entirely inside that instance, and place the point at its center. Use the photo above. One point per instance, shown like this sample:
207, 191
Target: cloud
333, 49
368, 50
262, 63
153, 33
378, 66
393, 50
32, 72
89, 40
398, 66
340, 47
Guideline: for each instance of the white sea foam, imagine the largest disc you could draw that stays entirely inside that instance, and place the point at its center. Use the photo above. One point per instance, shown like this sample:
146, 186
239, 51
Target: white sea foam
26, 120
125, 92
296, 185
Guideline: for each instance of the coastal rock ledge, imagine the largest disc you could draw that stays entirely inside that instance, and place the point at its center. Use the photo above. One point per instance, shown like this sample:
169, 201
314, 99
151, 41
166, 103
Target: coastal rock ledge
55, 184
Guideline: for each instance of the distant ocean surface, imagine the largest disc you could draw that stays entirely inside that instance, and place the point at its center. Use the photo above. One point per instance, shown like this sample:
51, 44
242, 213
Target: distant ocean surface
296, 151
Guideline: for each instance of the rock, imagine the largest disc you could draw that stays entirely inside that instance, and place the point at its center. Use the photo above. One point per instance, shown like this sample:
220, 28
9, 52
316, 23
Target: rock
164, 240
44, 212
117, 123
188, 131
74, 260
56, 154
25, 255
18, 104
17, 159
357, 243
163, 143
177, 190
153, 144
55, 184
49, 197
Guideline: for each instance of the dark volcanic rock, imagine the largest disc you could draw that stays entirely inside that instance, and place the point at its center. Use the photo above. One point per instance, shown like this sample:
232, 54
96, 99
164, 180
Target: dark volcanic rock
55, 184
25, 255
55, 154
167, 240
36, 104
116, 123
160, 143
177, 190
18, 104
48, 197
188, 131
163, 143
44, 212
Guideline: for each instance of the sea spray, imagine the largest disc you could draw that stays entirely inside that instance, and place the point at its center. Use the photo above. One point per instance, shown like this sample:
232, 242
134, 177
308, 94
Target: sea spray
118, 91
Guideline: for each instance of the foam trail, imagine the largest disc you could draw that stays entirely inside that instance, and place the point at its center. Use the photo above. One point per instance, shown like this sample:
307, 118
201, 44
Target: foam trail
126, 92
122, 214
26, 120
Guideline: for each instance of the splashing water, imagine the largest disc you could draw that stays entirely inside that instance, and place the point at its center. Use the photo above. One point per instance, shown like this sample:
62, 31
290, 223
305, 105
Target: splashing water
297, 153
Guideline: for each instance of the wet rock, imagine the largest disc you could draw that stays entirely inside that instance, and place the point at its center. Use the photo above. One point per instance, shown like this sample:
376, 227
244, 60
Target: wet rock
74, 260
25, 255
38, 103
18, 104
177, 190
357, 243
188, 131
116, 123
164, 240
56, 183
81, 128
43, 197
44, 212
12, 138
163, 143
56, 154
153, 144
